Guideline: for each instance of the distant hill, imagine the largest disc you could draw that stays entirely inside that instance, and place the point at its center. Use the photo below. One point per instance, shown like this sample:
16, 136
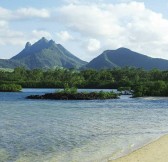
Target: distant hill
46, 54
123, 57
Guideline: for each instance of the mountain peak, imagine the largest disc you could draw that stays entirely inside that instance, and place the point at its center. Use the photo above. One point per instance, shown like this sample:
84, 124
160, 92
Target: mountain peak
28, 44
122, 49
43, 39
51, 42
47, 54
45, 42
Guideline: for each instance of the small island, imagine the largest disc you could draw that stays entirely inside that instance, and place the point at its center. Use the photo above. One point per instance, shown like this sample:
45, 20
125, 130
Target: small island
72, 94
10, 88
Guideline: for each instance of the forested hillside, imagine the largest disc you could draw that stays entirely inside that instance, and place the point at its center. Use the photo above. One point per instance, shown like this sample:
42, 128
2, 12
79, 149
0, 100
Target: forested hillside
123, 57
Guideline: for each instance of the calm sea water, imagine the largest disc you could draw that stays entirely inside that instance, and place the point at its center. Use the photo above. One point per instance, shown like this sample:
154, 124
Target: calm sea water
76, 131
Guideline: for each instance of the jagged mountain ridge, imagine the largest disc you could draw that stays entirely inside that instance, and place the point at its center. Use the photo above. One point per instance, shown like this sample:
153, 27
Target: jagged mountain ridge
123, 57
46, 54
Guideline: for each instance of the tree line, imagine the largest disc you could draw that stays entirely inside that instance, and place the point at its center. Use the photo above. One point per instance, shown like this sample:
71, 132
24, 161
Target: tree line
143, 82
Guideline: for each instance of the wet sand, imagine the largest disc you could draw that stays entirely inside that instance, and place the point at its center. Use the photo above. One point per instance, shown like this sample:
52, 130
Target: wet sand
156, 151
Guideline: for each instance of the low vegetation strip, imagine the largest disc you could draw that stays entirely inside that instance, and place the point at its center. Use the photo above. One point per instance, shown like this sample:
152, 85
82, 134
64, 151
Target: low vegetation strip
76, 96
10, 88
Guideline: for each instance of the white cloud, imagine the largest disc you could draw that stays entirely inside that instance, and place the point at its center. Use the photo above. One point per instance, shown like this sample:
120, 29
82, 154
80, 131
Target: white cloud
11, 37
32, 13
23, 14
37, 34
93, 45
125, 24
3, 24
8, 36
91, 20
93, 27
64, 36
5, 14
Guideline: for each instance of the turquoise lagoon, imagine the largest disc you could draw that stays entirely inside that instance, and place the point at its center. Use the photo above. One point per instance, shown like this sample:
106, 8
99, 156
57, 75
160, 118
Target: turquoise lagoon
77, 131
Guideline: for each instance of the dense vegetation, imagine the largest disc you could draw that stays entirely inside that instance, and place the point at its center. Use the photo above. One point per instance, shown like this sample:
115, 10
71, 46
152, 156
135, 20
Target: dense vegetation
73, 94
144, 83
10, 88
151, 88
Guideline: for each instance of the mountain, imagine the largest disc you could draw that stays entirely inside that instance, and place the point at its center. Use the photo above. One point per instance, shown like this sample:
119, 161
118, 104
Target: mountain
9, 64
123, 57
46, 54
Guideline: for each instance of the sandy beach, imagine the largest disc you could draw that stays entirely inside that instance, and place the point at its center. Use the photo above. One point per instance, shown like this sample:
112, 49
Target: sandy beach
156, 151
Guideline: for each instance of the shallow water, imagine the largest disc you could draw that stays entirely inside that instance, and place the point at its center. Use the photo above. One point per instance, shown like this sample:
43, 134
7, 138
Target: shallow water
76, 131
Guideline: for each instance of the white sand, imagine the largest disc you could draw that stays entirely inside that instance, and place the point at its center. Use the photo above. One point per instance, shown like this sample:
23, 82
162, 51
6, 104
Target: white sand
154, 152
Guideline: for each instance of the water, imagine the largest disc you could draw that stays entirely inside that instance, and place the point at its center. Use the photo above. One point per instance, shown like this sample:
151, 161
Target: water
76, 131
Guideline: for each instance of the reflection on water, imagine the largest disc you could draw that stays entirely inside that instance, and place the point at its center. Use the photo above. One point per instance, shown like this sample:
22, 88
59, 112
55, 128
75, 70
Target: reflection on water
76, 131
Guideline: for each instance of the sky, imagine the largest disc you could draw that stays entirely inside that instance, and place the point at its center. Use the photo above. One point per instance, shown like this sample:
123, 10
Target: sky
86, 27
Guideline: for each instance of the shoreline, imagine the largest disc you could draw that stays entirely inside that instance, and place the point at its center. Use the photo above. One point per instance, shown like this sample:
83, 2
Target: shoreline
155, 151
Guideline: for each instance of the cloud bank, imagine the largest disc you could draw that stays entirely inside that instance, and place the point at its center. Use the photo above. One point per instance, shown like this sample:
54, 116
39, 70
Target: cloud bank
91, 28
131, 25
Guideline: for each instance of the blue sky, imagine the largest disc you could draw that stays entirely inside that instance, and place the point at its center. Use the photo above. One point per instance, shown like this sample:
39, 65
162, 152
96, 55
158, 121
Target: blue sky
84, 27
157, 5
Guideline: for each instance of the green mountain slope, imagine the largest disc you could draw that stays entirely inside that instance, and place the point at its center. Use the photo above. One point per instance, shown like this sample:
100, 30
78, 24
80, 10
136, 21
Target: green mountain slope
9, 64
123, 57
47, 54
